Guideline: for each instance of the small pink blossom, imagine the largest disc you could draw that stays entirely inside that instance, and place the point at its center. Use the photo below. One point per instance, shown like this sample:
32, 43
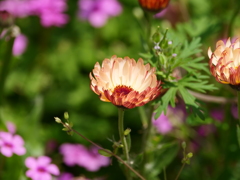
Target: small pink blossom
217, 114
97, 12
20, 45
40, 168
76, 154
11, 127
11, 144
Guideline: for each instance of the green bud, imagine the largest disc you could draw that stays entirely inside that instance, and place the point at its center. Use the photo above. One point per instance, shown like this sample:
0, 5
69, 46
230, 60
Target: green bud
184, 145
189, 155
58, 120
105, 153
156, 36
127, 131
66, 115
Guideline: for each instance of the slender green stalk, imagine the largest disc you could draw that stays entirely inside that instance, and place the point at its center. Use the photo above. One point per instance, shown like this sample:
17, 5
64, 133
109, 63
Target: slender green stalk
105, 150
180, 171
5, 67
143, 116
123, 139
238, 96
164, 173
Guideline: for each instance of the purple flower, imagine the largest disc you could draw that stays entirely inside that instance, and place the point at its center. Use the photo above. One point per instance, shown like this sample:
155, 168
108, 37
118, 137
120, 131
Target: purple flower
65, 176
20, 45
234, 110
76, 154
11, 127
165, 123
40, 168
49, 11
206, 129
11, 144
217, 114
97, 12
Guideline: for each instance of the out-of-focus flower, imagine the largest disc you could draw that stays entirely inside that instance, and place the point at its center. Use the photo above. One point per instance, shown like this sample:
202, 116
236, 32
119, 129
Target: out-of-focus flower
153, 5
225, 62
125, 82
50, 12
97, 12
11, 127
40, 168
65, 176
6, 19
11, 144
234, 111
76, 154
174, 117
18, 8
217, 114
206, 129
20, 45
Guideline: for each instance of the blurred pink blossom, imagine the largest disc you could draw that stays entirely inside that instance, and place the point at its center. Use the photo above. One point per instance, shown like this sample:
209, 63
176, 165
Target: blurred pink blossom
50, 12
76, 154
234, 110
165, 123
20, 45
11, 127
11, 144
97, 12
217, 114
65, 176
40, 168
206, 129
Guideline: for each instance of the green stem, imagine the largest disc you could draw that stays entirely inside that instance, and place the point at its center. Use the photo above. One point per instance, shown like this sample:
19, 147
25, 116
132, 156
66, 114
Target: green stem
123, 138
180, 171
5, 67
143, 117
238, 96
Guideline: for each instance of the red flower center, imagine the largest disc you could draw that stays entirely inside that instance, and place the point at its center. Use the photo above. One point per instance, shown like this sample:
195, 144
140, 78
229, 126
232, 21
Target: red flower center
122, 89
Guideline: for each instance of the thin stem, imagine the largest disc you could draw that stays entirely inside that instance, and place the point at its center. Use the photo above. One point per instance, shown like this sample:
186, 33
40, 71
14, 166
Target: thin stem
238, 95
164, 173
143, 117
123, 138
180, 171
105, 150
5, 67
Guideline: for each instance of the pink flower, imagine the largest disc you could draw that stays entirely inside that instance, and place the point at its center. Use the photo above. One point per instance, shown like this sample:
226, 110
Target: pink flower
11, 144
217, 114
165, 123
11, 127
97, 12
51, 12
76, 154
40, 168
20, 45
65, 176
234, 111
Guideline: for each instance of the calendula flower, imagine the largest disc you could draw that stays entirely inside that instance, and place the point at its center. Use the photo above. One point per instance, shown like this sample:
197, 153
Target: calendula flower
125, 82
225, 62
153, 5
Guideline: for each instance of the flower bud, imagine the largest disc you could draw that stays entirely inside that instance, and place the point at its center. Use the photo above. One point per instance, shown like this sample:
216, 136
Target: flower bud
153, 5
58, 120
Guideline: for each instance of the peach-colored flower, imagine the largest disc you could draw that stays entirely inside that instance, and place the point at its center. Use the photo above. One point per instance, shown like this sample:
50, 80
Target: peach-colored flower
125, 82
225, 62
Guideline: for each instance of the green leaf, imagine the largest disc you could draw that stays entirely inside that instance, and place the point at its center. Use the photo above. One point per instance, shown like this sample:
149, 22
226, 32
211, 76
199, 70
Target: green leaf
104, 152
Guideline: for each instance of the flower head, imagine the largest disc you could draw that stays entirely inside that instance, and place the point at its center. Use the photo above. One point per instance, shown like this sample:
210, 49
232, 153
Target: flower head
97, 12
225, 62
125, 82
76, 154
40, 168
11, 144
153, 5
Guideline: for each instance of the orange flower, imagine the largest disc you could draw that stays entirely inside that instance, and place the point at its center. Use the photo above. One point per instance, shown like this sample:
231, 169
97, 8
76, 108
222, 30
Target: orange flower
125, 82
153, 5
225, 62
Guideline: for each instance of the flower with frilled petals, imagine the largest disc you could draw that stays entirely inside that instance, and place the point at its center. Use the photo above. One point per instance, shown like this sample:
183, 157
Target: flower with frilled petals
153, 5
225, 62
125, 82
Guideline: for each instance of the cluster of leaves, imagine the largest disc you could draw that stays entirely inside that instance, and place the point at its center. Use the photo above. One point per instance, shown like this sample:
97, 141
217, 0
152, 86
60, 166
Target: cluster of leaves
181, 68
